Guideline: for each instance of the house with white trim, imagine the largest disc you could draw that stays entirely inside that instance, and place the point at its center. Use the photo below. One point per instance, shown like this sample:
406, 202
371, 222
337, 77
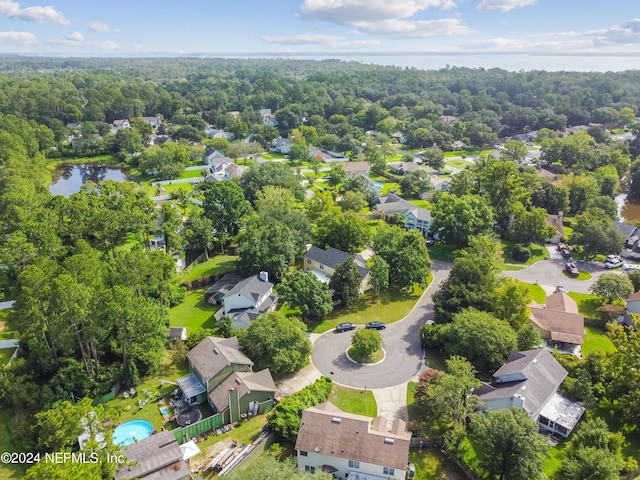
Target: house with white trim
323, 263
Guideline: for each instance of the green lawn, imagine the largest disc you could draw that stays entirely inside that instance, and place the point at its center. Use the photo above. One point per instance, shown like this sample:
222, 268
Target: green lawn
389, 186
411, 411
467, 153
5, 355
6, 333
553, 463
8, 470
508, 267
273, 156
596, 339
581, 276
431, 464
192, 173
443, 252
358, 357
422, 203
390, 306
350, 400
587, 304
538, 294
110, 159
128, 408
216, 265
458, 163
609, 412
538, 252
193, 313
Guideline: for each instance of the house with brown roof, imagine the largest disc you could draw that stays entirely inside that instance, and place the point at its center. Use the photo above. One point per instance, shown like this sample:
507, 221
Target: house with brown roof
357, 168
555, 221
351, 446
221, 375
530, 380
559, 322
157, 457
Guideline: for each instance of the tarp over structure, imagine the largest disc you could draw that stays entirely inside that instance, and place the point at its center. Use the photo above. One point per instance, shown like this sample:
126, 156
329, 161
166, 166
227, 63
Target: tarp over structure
189, 450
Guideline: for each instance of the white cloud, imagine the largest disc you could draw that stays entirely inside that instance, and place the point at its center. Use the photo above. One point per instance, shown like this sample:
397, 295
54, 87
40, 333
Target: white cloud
33, 14
504, 5
416, 28
75, 37
627, 33
100, 27
19, 38
349, 12
108, 45
331, 41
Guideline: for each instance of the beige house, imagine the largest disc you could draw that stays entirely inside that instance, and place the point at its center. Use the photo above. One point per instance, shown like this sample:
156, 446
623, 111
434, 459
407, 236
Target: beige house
559, 321
322, 263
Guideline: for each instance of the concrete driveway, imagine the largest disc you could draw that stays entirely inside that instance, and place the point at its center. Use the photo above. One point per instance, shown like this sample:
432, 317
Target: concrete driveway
404, 357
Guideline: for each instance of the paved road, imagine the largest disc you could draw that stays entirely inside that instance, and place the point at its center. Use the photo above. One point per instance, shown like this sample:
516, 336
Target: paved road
549, 273
401, 342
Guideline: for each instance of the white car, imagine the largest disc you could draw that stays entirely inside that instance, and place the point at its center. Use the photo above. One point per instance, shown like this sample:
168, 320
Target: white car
628, 267
613, 261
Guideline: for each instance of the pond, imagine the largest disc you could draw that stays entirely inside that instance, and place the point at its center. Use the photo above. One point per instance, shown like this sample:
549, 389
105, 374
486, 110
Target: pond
68, 178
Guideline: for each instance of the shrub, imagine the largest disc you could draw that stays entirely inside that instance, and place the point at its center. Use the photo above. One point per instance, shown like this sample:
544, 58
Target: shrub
522, 253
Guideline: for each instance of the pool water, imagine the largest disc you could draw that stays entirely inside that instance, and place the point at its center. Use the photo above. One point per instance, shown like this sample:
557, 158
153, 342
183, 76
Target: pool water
133, 431
164, 411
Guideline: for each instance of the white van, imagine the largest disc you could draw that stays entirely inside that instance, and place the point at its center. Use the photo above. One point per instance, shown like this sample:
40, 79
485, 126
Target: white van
630, 267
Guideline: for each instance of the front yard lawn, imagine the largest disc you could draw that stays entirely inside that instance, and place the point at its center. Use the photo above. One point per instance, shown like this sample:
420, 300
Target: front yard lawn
193, 313
581, 276
538, 252
192, 173
389, 186
538, 294
458, 163
216, 265
443, 252
421, 203
587, 304
596, 339
392, 305
350, 400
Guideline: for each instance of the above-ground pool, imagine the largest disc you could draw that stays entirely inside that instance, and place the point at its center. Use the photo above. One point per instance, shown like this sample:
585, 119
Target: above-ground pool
132, 431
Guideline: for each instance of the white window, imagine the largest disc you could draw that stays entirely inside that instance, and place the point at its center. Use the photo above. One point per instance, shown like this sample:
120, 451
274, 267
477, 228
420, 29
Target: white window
388, 471
354, 464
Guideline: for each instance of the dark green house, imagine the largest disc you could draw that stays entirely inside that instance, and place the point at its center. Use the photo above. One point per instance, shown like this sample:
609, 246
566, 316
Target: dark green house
222, 376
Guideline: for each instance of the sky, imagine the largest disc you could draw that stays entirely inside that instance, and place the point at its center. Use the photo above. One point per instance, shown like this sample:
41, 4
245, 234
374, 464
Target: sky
584, 35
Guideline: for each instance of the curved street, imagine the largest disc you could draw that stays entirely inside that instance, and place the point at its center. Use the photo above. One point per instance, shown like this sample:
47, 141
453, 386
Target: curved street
401, 342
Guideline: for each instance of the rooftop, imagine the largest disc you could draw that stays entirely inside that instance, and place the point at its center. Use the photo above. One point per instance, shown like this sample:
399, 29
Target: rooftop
563, 411
243, 382
191, 386
213, 354
158, 458
328, 430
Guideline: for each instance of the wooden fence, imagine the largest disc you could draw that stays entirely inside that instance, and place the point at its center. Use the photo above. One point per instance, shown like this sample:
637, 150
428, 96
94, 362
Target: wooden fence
206, 425
104, 398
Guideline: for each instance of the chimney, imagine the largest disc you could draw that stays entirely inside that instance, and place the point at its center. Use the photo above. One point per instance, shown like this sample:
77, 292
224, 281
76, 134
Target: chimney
263, 276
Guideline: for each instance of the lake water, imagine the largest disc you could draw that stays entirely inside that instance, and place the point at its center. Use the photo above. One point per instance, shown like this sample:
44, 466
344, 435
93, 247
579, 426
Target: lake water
69, 178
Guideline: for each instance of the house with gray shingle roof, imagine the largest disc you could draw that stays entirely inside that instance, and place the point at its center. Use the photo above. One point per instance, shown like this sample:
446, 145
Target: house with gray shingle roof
218, 368
157, 457
530, 380
323, 263
415, 218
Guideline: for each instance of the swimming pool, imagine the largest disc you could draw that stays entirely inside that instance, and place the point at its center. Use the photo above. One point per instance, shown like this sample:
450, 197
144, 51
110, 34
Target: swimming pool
132, 431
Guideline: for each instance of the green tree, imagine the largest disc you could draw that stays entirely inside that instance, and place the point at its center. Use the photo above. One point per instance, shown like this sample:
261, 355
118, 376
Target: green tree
595, 233
406, 254
303, 290
611, 287
455, 219
337, 175
379, 272
481, 338
271, 247
345, 282
345, 231
199, 231
366, 341
510, 446
270, 173
225, 206
531, 227
582, 189
512, 298
433, 157
416, 183
634, 276
299, 152
514, 151
528, 337
627, 115
352, 201
278, 343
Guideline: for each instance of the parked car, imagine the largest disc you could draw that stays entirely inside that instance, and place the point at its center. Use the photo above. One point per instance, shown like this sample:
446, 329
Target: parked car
613, 261
630, 267
343, 327
561, 246
572, 269
565, 253
430, 242
376, 325
561, 289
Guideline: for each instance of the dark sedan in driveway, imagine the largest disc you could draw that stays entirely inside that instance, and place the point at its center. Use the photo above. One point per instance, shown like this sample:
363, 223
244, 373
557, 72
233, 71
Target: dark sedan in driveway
376, 325
343, 327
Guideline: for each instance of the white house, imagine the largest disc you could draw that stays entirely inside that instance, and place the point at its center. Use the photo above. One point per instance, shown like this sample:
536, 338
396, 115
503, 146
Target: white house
268, 118
530, 380
124, 123
323, 263
414, 217
281, 146
211, 132
155, 122
352, 446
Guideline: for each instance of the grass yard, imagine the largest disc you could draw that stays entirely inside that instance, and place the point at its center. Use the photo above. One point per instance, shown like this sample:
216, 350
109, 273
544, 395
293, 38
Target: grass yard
193, 313
443, 252
596, 339
554, 462
128, 408
375, 357
273, 156
609, 412
538, 294
587, 304
8, 470
421, 203
5, 355
192, 173
389, 186
411, 411
508, 267
350, 400
216, 265
581, 276
538, 252
431, 464
458, 163
389, 307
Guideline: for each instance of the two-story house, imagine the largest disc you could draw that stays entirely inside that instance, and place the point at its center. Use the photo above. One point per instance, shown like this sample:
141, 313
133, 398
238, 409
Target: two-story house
221, 374
414, 217
155, 122
281, 146
530, 380
243, 300
351, 446
123, 123
323, 263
